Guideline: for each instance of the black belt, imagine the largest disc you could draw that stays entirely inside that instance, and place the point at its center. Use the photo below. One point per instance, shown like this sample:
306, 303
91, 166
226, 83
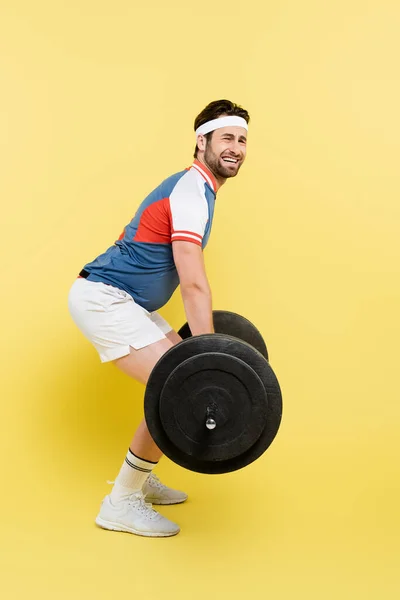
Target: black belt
84, 273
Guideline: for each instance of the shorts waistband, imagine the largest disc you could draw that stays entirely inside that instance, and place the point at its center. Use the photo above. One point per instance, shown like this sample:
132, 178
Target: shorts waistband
85, 274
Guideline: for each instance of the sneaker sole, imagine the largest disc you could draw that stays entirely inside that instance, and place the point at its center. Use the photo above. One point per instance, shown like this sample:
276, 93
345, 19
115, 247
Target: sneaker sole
119, 527
164, 502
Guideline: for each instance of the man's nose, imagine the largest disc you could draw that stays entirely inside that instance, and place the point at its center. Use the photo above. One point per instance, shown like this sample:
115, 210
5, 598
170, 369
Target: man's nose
235, 147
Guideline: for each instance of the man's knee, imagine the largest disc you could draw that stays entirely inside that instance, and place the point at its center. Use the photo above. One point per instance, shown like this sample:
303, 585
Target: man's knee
174, 337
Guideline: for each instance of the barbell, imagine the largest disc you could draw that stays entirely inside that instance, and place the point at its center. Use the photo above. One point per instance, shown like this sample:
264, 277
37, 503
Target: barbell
212, 403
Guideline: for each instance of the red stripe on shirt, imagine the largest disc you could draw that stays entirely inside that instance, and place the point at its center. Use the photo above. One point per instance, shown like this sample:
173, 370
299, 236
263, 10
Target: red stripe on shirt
185, 239
185, 231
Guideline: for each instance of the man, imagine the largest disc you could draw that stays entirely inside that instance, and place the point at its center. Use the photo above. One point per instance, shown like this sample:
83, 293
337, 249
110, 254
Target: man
115, 298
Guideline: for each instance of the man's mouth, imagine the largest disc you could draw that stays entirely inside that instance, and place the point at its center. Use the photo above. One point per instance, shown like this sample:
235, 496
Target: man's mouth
230, 160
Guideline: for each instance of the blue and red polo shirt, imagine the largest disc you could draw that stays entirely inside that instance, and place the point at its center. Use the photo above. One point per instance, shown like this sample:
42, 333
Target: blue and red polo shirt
141, 260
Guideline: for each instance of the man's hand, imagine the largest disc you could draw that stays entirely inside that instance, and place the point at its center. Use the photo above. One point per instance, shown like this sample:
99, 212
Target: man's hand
195, 290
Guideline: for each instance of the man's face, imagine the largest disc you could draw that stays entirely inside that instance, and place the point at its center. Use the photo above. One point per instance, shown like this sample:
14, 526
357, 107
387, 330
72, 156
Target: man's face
226, 151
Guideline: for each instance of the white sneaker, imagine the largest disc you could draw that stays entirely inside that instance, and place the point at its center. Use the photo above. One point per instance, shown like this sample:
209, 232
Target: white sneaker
134, 515
158, 493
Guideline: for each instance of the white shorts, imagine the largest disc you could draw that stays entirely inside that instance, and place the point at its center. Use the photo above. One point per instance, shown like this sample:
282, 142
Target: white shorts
111, 319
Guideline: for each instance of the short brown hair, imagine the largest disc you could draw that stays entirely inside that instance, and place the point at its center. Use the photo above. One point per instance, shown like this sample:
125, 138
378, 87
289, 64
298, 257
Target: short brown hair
217, 109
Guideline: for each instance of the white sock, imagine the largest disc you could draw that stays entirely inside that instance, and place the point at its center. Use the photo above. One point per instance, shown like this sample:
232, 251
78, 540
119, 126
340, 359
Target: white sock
131, 477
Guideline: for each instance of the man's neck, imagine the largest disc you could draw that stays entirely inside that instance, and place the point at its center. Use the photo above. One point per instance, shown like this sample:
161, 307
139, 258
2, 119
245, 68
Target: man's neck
219, 181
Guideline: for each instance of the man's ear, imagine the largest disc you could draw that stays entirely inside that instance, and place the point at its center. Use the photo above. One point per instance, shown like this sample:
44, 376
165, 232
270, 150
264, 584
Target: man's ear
201, 142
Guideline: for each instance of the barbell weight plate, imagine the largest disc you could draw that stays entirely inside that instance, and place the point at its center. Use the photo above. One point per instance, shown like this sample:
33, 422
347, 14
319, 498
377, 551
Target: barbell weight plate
193, 347
231, 323
218, 386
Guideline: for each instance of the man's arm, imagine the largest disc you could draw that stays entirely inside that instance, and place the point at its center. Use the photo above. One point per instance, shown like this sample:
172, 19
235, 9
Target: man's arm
195, 289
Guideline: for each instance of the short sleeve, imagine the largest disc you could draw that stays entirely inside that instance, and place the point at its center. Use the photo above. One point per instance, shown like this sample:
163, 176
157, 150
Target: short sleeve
189, 212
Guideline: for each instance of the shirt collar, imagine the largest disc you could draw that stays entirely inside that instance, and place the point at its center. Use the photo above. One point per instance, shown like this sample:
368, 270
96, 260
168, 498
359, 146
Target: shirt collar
205, 173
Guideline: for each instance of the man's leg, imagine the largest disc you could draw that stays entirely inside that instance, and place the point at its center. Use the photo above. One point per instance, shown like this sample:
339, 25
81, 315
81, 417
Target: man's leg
143, 454
123, 509
138, 365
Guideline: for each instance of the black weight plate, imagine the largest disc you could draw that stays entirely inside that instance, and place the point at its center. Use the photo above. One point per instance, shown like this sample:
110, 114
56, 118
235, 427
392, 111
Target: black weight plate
202, 344
228, 388
231, 323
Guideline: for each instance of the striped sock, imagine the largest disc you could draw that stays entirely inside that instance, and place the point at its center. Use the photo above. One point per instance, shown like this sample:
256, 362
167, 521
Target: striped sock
131, 477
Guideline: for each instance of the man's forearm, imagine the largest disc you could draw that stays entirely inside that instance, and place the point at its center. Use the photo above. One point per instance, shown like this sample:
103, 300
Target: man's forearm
198, 308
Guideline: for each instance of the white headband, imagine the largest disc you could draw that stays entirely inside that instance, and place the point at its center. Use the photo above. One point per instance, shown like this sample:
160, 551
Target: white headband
221, 122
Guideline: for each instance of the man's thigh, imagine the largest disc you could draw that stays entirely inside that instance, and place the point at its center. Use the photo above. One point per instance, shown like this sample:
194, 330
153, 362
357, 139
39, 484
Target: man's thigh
121, 331
138, 364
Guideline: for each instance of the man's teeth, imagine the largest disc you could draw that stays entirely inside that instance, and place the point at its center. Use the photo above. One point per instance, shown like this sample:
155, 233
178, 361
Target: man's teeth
233, 160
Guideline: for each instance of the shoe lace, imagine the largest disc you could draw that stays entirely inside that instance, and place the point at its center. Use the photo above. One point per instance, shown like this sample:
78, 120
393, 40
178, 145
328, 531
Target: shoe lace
145, 508
155, 482
137, 501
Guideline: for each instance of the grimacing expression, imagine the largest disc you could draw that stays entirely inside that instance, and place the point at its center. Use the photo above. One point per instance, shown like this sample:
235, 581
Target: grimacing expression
226, 151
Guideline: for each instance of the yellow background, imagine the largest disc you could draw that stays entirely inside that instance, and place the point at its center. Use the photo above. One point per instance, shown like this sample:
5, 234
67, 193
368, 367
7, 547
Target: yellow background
97, 103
